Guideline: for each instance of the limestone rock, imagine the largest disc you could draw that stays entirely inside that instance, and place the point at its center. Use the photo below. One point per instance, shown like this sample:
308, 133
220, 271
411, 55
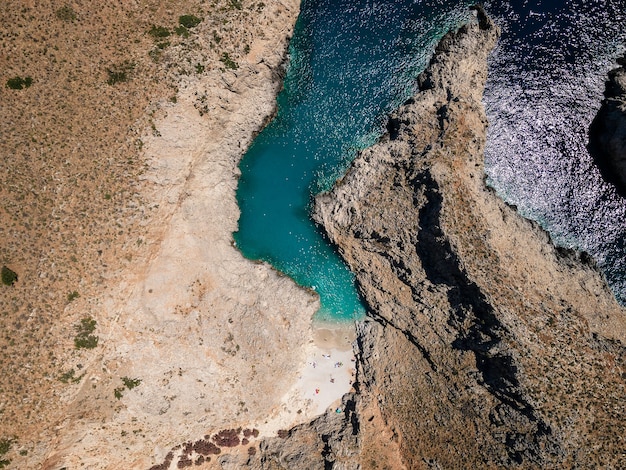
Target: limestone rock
484, 345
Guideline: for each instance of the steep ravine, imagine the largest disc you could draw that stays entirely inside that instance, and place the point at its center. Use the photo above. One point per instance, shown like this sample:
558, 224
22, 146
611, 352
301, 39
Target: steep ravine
484, 345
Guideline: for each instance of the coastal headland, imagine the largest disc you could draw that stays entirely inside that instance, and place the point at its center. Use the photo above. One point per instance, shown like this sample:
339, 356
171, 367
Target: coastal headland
484, 345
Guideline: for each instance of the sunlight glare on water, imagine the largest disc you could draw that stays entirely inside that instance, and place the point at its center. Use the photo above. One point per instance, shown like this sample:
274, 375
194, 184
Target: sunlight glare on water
351, 63
546, 82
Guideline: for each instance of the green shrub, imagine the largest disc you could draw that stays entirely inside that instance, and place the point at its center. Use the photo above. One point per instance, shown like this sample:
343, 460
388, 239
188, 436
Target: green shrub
5, 446
228, 62
120, 73
19, 83
66, 13
182, 31
84, 338
70, 376
9, 277
189, 21
72, 296
159, 32
130, 383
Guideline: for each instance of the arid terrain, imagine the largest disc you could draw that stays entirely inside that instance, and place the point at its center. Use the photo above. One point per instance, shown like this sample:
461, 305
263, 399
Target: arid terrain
134, 325
135, 335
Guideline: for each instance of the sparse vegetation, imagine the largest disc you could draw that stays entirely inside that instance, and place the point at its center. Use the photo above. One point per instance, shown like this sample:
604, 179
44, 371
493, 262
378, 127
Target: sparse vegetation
189, 21
9, 277
228, 62
5, 446
159, 32
72, 296
74, 199
70, 377
227, 438
84, 338
182, 31
19, 83
66, 13
129, 384
120, 73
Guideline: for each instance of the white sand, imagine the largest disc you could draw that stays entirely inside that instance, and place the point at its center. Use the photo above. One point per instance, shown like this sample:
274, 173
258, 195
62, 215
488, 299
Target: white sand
327, 374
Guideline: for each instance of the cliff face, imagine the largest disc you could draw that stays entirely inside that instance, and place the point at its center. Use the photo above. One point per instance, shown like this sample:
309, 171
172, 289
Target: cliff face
607, 135
483, 344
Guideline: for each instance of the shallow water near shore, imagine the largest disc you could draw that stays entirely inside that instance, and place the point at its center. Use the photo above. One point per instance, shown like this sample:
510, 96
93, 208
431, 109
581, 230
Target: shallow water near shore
351, 63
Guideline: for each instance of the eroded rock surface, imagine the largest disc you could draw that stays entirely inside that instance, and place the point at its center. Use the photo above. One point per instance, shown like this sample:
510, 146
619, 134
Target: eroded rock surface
484, 345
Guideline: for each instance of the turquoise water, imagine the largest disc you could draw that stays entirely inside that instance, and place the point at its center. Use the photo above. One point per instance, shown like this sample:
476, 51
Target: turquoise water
351, 63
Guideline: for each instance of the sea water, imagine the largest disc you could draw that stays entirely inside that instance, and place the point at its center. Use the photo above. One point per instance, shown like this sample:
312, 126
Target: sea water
352, 62
545, 86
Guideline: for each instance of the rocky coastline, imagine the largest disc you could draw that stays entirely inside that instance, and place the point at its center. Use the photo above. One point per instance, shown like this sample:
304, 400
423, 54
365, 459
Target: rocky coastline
484, 346
607, 134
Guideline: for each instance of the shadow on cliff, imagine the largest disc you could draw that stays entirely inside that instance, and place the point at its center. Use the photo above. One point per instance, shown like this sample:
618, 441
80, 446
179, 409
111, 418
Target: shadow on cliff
478, 327
599, 155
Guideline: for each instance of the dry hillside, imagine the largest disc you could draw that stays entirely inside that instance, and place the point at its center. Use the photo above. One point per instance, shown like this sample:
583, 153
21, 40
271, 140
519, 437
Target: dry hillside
82, 83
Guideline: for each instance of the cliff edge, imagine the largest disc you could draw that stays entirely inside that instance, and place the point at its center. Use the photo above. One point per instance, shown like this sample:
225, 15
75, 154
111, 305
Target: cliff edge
607, 134
484, 345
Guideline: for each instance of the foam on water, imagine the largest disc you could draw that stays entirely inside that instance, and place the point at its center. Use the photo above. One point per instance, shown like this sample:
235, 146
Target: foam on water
546, 82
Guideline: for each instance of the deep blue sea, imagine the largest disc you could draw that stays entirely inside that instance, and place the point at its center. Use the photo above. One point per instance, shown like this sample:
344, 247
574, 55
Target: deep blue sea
352, 62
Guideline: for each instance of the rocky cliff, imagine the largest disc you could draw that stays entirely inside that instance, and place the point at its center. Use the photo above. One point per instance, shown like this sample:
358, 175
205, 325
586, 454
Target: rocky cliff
484, 346
607, 135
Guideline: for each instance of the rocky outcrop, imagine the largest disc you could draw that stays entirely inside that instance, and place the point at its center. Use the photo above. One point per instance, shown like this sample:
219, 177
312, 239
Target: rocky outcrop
484, 345
607, 135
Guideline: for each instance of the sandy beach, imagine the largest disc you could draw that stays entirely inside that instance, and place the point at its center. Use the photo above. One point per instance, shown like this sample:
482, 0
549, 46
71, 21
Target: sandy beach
327, 373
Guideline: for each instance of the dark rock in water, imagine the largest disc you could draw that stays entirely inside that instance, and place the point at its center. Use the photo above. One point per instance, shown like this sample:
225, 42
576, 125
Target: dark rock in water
607, 134
484, 346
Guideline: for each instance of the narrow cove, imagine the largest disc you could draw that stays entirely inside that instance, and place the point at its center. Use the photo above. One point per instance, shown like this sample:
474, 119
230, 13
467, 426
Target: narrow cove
351, 63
